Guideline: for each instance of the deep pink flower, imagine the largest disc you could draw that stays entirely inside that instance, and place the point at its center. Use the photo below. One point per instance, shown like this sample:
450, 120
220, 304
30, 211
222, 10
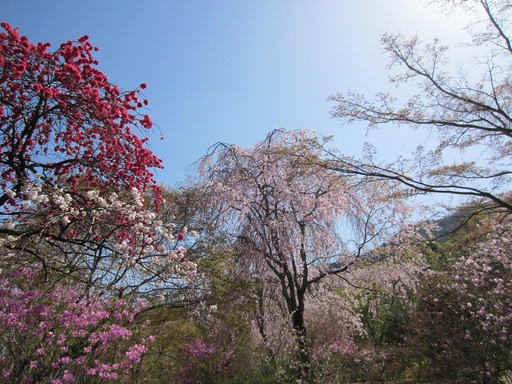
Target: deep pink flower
83, 39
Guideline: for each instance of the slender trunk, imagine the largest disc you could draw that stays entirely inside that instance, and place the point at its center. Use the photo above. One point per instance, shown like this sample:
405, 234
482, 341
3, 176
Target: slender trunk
260, 320
295, 297
304, 368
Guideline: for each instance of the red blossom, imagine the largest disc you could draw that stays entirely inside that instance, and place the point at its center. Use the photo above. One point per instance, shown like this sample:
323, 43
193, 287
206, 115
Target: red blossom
60, 102
83, 39
70, 105
67, 132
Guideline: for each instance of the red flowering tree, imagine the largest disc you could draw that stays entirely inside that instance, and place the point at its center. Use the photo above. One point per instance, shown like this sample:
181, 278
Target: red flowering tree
77, 194
62, 119
80, 221
285, 212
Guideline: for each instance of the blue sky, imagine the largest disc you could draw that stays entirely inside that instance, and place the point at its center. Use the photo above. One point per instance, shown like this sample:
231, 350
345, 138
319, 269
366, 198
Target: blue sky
233, 70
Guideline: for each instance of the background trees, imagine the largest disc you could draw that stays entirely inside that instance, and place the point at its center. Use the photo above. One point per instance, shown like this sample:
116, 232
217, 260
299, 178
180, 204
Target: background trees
466, 107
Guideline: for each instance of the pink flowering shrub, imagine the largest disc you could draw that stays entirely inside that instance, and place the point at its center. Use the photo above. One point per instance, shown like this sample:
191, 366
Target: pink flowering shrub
64, 335
462, 329
202, 361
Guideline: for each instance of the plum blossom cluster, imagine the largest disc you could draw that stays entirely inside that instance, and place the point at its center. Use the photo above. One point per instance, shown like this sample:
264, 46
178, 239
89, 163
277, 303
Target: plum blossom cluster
64, 333
60, 116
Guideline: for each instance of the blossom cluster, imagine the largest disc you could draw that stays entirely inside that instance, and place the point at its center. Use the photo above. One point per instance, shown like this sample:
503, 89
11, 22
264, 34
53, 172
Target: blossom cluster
76, 179
465, 314
80, 124
65, 333
136, 237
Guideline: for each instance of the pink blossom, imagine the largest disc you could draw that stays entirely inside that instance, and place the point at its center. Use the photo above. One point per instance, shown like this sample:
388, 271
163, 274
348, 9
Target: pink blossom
68, 377
74, 319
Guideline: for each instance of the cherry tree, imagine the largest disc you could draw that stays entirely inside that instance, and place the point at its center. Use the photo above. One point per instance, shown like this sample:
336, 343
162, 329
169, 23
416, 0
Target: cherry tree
284, 214
77, 194
466, 106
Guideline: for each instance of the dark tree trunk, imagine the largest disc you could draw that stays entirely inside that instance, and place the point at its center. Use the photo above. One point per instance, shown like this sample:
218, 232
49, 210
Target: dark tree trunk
304, 368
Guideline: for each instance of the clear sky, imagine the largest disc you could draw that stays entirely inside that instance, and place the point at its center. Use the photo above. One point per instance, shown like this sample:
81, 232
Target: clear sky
233, 70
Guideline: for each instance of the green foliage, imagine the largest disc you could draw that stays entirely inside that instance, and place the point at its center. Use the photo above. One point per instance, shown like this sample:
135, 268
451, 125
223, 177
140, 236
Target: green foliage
172, 329
463, 230
384, 323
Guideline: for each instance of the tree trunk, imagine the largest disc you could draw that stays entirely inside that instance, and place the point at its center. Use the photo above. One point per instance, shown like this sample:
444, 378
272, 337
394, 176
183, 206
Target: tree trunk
304, 371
